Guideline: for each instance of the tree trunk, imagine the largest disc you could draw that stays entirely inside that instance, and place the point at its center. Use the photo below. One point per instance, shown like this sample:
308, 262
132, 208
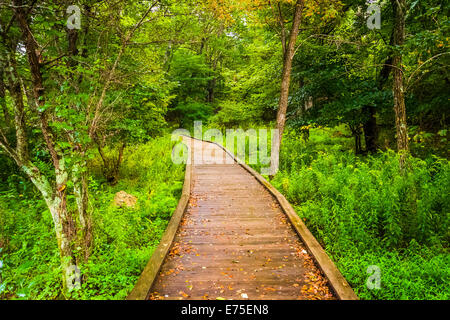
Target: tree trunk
371, 129
358, 143
398, 88
80, 189
79, 172
65, 227
55, 197
370, 126
356, 133
111, 166
211, 90
15, 90
285, 83
3, 106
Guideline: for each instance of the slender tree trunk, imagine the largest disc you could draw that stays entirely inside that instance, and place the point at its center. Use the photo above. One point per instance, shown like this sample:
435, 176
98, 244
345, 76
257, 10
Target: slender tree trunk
306, 106
370, 126
371, 129
15, 90
119, 162
356, 133
211, 89
212, 82
214, 62
287, 68
358, 148
111, 166
80, 189
79, 169
3, 106
285, 83
56, 199
398, 87
72, 38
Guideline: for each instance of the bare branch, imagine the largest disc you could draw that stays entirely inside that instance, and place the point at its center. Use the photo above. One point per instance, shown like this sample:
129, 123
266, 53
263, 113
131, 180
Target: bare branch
428, 61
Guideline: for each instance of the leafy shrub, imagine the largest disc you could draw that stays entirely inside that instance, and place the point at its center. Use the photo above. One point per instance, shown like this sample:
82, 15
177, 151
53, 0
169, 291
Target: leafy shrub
191, 73
188, 112
234, 114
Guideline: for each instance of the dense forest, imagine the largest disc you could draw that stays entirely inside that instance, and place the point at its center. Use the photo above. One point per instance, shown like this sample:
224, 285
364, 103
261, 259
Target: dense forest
90, 92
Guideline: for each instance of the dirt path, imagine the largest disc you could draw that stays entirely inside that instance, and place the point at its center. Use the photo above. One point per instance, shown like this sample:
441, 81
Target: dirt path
235, 242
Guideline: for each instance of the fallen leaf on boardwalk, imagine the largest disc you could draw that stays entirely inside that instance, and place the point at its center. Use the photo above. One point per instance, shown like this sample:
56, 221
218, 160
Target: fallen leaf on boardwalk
220, 298
170, 272
270, 289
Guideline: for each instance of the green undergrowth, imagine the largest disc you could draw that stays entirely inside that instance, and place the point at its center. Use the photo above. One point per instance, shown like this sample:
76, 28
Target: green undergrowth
366, 212
124, 238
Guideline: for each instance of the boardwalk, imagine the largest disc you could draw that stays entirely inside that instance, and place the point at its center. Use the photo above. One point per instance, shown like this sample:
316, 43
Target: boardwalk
234, 242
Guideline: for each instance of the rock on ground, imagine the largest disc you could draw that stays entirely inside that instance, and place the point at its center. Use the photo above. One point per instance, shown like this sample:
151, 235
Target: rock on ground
122, 199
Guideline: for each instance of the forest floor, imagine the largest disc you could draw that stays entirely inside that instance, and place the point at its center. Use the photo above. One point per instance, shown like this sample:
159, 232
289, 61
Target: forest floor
235, 242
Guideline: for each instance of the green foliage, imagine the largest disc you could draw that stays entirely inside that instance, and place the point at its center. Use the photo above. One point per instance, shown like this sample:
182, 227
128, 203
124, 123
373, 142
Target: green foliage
235, 114
342, 68
144, 109
364, 212
124, 238
188, 65
188, 112
191, 73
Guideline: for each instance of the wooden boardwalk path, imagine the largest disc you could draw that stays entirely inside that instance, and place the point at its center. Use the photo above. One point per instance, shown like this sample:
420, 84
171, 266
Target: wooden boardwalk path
235, 242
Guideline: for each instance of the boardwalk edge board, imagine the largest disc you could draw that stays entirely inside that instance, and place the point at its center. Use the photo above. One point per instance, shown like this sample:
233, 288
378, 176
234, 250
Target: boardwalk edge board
144, 284
337, 281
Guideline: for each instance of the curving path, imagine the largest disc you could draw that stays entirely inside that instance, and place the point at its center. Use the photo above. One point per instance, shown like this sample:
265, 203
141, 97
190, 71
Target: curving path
234, 241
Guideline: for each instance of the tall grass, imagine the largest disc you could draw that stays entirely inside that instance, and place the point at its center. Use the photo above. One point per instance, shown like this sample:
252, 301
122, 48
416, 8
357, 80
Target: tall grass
365, 211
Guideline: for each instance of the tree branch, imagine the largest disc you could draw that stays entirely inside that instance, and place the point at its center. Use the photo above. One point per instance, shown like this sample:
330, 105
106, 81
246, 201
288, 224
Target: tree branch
99, 105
